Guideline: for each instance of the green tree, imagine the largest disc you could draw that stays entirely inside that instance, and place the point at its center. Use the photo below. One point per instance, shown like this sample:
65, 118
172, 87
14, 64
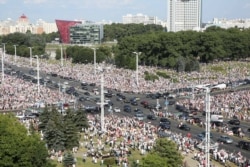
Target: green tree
18, 148
80, 119
70, 130
164, 154
68, 159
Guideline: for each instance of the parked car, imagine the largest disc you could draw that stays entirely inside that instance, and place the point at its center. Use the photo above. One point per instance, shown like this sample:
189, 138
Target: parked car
139, 116
117, 109
165, 120
164, 126
234, 122
151, 117
184, 127
244, 145
225, 139
127, 108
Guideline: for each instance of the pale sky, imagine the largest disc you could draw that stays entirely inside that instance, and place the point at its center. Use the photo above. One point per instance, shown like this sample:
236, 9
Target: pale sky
113, 10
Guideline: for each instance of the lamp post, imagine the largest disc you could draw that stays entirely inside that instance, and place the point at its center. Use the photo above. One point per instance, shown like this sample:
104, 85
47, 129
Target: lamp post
3, 55
207, 101
61, 55
38, 77
94, 49
30, 56
15, 52
137, 54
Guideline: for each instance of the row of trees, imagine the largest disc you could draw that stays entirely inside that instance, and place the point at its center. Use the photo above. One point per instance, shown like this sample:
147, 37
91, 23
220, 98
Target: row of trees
182, 51
85, 55
119, 31
24, 41
61, 132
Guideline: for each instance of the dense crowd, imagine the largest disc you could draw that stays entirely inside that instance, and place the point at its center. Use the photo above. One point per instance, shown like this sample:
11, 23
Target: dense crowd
125, 133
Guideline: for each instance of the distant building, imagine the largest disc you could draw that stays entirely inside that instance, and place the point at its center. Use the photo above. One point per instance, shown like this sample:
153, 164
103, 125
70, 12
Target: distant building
184, 15
225, 23
22, 25
87, 33
63, 28
140, 19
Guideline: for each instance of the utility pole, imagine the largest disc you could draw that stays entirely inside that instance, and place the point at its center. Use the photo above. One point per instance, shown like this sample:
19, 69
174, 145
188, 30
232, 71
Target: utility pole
207, 101
137, 71
94, 49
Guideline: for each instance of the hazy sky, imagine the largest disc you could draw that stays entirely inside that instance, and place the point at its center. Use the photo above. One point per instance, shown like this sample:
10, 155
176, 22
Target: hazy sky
97, 10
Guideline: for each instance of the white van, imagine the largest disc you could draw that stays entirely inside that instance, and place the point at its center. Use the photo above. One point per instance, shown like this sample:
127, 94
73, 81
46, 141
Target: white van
216, 118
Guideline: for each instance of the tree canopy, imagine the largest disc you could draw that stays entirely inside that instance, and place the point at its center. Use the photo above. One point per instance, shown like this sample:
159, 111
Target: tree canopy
164, 154
18, 148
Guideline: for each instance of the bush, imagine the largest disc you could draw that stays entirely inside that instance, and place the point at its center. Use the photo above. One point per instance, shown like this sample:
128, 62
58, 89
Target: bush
162, 74
151, 77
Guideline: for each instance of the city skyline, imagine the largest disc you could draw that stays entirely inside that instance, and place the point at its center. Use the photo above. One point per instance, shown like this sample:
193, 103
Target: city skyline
113, 10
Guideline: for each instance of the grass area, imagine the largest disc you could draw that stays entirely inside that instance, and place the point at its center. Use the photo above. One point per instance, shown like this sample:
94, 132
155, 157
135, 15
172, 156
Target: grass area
135, 155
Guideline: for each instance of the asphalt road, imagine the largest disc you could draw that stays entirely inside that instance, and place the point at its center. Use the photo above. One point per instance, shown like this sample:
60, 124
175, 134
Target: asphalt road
171, 108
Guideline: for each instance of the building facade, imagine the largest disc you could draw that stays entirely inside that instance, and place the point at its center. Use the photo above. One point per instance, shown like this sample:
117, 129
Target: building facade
141, 19
184, 15
23, 25
232, 23
87, 33
63, 28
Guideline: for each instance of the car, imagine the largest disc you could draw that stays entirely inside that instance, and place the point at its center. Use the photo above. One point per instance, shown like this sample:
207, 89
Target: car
138, 110
84, 87
134, 103
108, 94
92, 84
81, 98
184, 127
204, 134
127, 108
119, 98
86, 93
117, 109
164, 120
126, 101
151, 117
244, 145
234, 122
225, 139
84, 84
139, 116
236, 130
164, 126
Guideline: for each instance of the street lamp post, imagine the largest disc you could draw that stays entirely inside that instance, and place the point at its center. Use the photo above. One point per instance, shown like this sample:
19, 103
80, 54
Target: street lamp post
61, 56
3, 55
30, 56
15, 52
207, 127
94, 60
38, 77
137, 54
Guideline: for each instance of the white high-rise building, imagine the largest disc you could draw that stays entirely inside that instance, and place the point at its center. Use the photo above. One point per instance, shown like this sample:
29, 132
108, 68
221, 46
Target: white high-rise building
184, 15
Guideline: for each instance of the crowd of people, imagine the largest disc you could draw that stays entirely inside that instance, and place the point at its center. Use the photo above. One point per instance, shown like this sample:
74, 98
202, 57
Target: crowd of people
19, 94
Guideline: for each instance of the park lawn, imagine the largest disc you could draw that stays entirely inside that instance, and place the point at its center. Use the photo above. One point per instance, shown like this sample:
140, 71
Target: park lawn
132, 159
